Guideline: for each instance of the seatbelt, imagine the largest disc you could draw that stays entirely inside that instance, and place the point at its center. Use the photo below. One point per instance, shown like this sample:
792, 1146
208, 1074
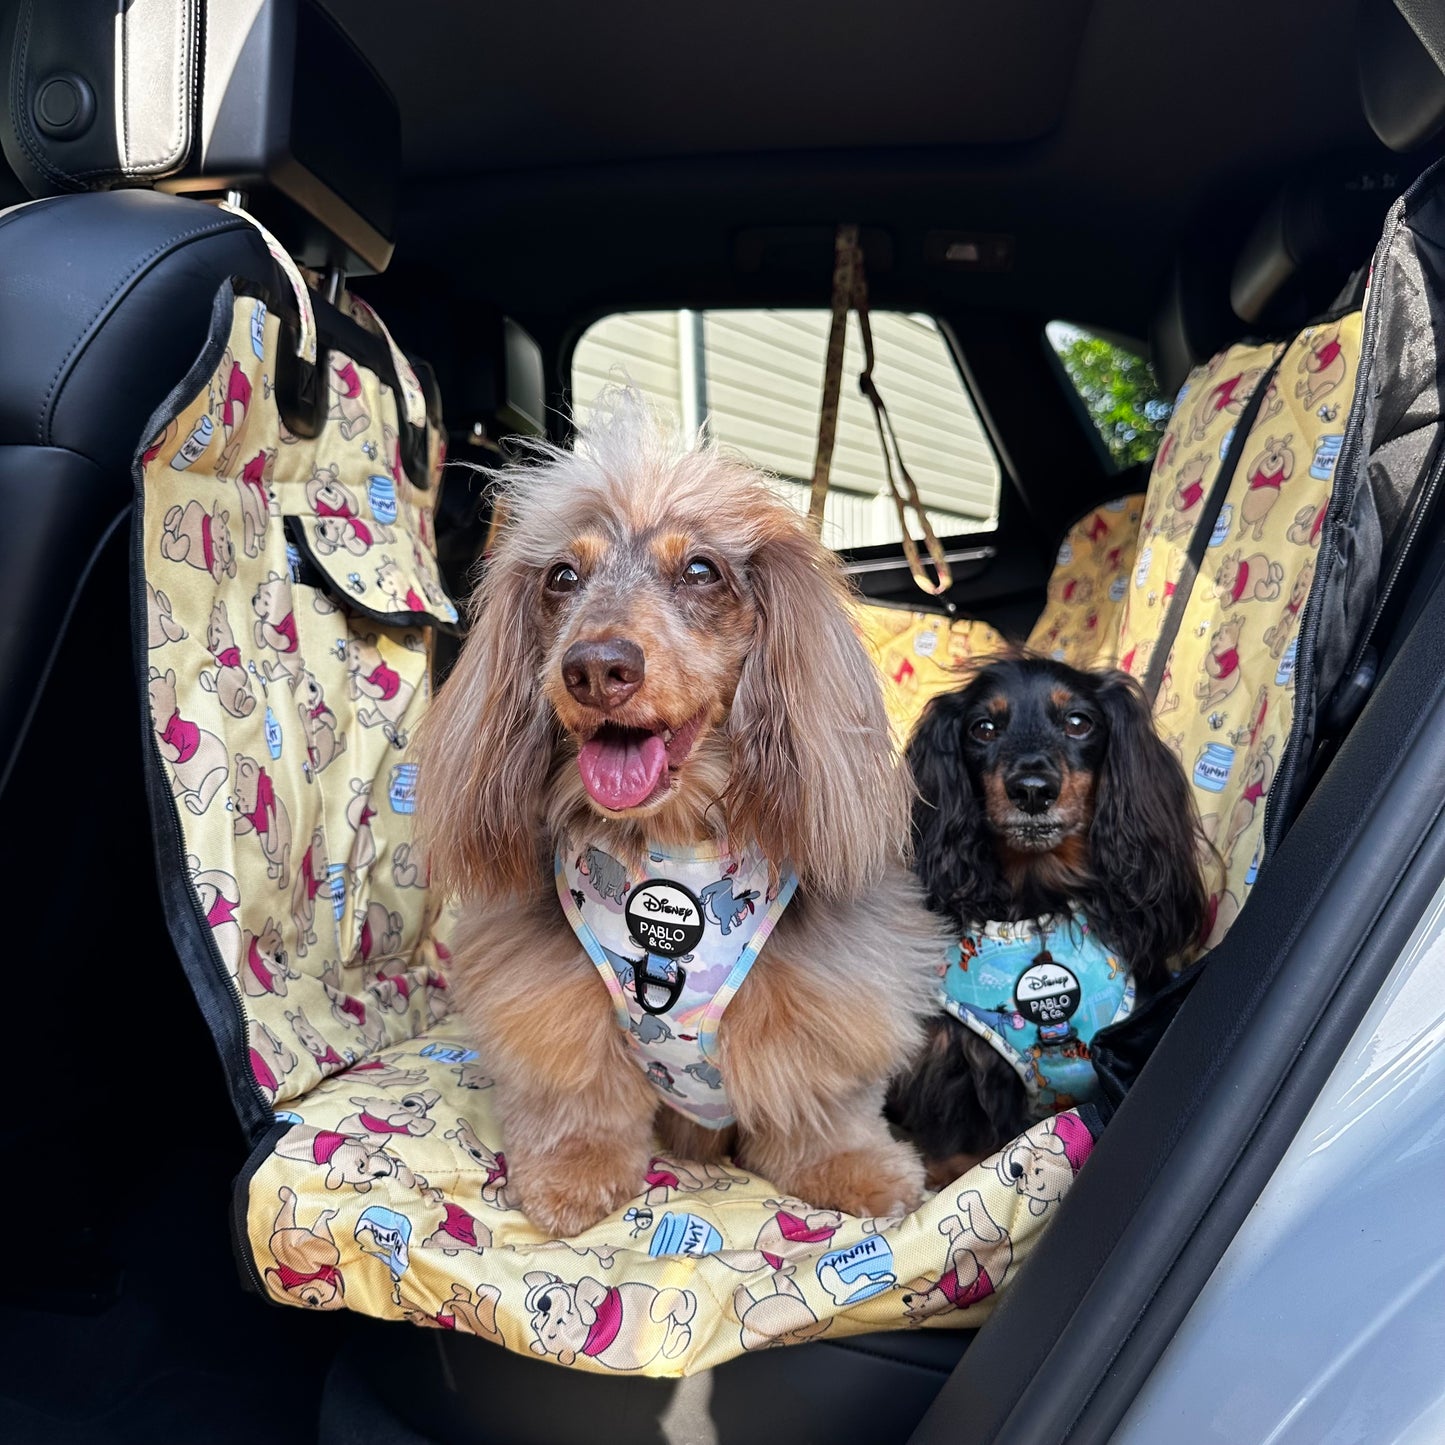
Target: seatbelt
1204, 530
850, 292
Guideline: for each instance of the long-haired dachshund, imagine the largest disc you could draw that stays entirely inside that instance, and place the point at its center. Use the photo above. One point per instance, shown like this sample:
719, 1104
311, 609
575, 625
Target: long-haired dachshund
1058, 835
661, 725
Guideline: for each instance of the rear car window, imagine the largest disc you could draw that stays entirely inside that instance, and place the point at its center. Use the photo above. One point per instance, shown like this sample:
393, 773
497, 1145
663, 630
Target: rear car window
754, 380
1117, 389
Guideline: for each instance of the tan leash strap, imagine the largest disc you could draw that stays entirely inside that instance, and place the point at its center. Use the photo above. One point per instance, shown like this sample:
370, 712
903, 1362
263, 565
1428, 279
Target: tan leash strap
845, 271
850, 293
888, 441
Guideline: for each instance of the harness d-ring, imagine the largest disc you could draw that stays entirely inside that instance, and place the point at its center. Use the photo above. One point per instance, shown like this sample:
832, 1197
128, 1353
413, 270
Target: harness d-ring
642, 980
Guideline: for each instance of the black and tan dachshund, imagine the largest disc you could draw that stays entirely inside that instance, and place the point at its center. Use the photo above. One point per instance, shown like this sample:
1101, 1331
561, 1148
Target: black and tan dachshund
1042, 791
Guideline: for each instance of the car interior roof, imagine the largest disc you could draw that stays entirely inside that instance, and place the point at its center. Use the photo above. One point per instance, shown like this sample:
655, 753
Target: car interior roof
620, 170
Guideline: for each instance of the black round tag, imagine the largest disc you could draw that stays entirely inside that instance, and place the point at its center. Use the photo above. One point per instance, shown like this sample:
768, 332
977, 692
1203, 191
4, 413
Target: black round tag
664, 917
1046, 992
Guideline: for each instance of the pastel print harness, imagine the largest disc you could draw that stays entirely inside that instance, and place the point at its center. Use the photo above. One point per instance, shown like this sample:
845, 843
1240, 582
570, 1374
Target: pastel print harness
1039, 992
672, 948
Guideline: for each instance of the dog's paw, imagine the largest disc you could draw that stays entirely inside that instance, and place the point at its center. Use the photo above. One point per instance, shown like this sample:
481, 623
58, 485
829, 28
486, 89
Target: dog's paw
885, 1182
573, 1185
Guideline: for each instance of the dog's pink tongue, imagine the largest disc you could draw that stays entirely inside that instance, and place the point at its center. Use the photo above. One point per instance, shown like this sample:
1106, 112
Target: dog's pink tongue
622, 773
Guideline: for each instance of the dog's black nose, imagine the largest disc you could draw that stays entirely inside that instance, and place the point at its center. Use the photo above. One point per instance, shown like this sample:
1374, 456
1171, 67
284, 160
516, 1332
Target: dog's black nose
1032, 785
603, 674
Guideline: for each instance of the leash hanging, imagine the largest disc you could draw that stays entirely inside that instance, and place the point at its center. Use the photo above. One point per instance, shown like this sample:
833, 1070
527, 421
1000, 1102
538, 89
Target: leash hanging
850, 292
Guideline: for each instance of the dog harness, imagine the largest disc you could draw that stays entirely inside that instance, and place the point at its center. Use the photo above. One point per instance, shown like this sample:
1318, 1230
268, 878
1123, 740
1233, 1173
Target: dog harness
673, 946
1039, 992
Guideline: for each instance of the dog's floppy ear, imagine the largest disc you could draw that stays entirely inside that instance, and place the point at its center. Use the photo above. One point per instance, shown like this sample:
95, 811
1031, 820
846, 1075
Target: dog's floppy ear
953, 855
1144, 840
485, 745
814, 776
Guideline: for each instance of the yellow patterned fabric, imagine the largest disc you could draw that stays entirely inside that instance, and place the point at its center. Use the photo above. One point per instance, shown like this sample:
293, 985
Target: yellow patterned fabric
290, 583
388, 1195
1080, 621
1226, 701
919, 655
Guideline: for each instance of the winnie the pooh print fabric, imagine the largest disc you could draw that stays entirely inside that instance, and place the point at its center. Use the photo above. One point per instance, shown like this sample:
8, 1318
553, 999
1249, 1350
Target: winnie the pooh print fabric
289, 593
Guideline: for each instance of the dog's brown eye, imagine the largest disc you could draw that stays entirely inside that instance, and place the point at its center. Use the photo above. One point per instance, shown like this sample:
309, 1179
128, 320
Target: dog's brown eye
699, 572
983, 731
563, 578
1078, 724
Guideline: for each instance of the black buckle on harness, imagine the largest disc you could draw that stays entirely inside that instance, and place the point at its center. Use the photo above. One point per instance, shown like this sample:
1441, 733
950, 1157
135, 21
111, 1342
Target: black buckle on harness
642, 980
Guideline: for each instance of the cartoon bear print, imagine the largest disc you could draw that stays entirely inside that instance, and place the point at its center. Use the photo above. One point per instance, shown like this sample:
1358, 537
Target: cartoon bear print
1221, 665
307, 1260
310, 880
980, 1254
254, 485
229, 681
381, 1073
161, 625
792, 1232
348, 405
1223, 910
1187, 494
196, 757
219, 897
1230, 395
458, 1233
384, 1118
1277, 638
310, 1039
775, 1313
1307, 525
380, 939
270, 1059
1247, 579
350, 1011
235, 404
474, 1313
392, 581
258, 810
1074, 591
324, 743
346, 1159
1322, 367
200, 539
667, 1176
275, 625
494, 1187
1041, 1166
621, 1327
407, 868
371, 681
1259, 776
338, 524
264, 967
359, 814
472, 1076
1267, 473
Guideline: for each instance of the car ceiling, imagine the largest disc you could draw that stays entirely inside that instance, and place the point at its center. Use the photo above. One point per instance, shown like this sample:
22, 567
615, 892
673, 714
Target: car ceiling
562, 160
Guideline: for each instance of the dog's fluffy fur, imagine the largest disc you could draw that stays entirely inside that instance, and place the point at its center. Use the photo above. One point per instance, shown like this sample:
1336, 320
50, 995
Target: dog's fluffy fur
1119, 840
793, 752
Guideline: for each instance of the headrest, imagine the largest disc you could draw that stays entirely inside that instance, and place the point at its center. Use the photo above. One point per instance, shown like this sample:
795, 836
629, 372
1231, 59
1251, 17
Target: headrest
208, 96
1401, 57
1311, 236
1193, 319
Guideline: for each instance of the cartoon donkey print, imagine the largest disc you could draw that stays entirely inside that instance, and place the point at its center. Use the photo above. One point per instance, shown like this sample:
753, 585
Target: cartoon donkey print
726, 908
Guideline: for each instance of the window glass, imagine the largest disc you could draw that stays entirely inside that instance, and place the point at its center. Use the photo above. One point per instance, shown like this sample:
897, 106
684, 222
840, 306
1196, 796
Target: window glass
754, 379
1118, 390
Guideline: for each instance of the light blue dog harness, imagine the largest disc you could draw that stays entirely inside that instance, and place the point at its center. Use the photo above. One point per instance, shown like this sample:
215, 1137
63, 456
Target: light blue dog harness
673, 946
1039, 992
